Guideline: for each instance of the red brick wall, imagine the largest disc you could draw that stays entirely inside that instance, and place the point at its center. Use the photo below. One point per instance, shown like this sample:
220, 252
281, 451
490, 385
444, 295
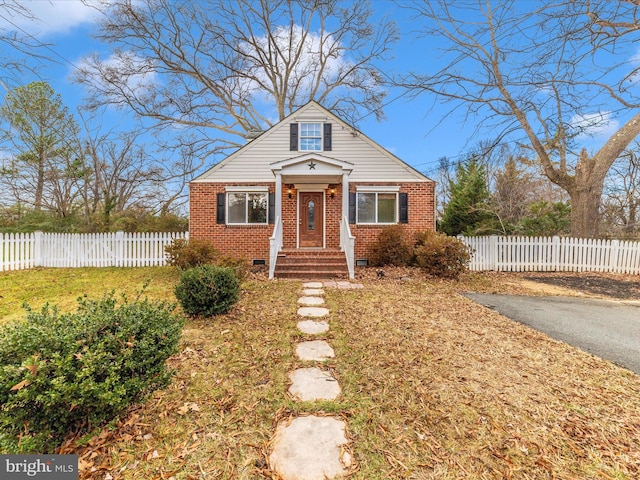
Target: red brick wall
421, 215
252, 241
246, 241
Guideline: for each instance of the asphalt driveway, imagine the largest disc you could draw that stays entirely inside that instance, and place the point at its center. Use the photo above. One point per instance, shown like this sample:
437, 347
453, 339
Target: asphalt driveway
608, 329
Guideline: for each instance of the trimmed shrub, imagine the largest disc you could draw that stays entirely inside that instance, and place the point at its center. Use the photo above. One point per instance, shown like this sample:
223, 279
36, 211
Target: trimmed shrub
208, 290
440, 255
195, 252
191, 253
63, 373
240, 266
392, 247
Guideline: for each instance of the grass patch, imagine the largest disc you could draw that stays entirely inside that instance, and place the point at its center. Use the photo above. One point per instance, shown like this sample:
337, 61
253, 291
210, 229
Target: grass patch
62, 286
434, 387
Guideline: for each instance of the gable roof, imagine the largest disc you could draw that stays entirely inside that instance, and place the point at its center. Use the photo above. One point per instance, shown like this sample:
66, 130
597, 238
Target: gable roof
371, 162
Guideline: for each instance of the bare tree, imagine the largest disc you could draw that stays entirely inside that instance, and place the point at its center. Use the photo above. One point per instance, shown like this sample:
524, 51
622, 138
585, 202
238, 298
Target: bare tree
555, 71
621, 206
16, 45
122, 175
215, 71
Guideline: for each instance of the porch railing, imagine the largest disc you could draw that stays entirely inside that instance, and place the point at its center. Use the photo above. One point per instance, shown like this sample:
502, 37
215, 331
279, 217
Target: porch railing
347, 244
275, 246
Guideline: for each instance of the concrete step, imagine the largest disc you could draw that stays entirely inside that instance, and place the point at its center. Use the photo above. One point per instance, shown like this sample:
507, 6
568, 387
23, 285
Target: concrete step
325, 267
310, 275
311, 264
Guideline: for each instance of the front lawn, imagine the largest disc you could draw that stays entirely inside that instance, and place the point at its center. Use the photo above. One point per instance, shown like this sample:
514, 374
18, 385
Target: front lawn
434, 387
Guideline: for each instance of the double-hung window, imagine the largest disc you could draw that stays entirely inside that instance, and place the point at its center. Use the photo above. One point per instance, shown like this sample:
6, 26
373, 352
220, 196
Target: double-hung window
311, 137
377, 205
247, 207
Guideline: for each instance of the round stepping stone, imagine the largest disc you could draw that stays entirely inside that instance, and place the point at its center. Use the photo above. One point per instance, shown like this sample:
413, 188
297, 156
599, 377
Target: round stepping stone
312, 285
317, 350
313, 311
310, 384
311, 301
313, 291
312, 327
310, 448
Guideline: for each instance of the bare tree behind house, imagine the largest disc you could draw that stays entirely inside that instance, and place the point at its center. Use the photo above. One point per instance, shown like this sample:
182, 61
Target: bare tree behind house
621, 205
556, 72
212, 72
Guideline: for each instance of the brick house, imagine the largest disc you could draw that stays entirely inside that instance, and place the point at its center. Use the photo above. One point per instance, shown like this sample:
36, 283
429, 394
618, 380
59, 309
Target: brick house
308, 197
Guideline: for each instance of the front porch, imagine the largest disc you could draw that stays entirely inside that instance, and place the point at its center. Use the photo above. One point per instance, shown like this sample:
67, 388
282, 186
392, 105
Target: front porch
311, 236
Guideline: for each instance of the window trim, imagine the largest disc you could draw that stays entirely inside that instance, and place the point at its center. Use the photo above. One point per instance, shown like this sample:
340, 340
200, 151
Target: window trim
377, 188
247, 191
376, 191
320, 136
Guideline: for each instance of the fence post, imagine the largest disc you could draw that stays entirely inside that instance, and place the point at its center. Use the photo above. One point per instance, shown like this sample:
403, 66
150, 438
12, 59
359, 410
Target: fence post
555, 253
36, 255
119, 248
493, 253
613, 258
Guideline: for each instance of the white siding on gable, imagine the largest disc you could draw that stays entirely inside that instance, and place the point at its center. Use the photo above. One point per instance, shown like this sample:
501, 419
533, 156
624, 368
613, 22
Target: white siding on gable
371, 162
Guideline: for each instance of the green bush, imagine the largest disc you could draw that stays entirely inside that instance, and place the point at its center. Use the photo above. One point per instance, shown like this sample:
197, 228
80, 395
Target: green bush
392, 247
191, 253
240, 266
62, 373
440, 255
208, 290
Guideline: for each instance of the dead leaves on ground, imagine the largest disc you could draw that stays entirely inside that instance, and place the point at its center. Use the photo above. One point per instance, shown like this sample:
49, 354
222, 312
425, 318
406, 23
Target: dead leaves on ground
435, 387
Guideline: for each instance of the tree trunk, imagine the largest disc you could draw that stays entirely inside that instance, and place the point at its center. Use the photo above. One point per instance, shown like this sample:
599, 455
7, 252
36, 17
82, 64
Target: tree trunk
39, 185
586, 196
585, 212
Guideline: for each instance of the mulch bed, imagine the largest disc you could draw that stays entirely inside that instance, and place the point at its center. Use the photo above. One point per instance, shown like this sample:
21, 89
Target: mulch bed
625, 287
620, 286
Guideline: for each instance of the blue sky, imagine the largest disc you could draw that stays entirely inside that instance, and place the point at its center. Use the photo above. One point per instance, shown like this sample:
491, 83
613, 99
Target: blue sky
418, 130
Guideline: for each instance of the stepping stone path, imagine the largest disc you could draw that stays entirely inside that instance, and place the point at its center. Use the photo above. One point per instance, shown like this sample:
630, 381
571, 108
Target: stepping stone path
313, 327
317, 350
311, 301
313, 311
308, 384
312, 447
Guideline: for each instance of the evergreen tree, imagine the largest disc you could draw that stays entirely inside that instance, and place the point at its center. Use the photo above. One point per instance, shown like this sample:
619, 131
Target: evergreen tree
42, 134
467, 211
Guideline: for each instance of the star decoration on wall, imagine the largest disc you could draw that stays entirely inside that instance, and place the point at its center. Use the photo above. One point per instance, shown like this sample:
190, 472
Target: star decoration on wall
312, 166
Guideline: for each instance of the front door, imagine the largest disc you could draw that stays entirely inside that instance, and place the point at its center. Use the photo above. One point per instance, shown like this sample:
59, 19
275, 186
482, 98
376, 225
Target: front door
311, 219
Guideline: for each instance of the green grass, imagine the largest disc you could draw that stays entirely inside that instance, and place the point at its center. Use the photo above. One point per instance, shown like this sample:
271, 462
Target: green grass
434, 387
63, 286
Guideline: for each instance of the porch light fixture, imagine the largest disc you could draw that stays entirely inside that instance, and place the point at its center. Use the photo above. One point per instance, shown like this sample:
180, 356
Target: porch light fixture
290, 192
332, 192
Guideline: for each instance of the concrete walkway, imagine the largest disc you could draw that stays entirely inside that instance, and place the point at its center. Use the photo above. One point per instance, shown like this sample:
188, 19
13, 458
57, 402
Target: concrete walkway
312, 447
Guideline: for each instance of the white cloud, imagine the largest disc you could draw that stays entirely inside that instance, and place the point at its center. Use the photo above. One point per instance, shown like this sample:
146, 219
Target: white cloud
50, 16
594, 125
120, 71
305, 71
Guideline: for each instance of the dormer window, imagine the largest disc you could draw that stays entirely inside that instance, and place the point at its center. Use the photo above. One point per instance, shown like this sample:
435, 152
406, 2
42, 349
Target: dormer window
310, 137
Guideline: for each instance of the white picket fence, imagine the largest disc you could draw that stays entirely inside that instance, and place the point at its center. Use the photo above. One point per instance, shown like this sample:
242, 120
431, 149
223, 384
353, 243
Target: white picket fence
19, 251
559, 254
